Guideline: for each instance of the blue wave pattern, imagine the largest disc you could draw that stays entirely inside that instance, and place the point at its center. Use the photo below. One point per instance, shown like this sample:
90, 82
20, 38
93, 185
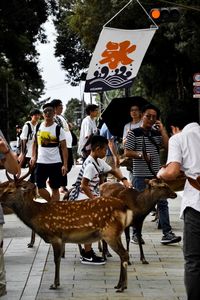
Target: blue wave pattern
104, 81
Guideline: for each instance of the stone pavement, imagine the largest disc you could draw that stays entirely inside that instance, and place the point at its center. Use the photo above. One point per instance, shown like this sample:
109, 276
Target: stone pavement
30, 271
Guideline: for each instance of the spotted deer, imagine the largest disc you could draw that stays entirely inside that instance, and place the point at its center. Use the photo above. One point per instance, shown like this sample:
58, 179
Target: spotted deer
141, 203
83, 222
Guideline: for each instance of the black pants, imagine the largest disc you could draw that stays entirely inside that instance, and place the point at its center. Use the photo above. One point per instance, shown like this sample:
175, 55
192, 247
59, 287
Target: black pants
191, 249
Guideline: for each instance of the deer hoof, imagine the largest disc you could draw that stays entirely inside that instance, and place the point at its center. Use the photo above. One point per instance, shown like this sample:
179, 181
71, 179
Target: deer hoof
54, 286
145, 262
108, 254
30, 245
120, 290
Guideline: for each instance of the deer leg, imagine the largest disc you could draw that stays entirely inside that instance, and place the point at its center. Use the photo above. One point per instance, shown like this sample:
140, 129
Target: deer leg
116, 244
127, 235
32, 242
80, 249
57, 250
63, 250
105, 250
100, 246
139, 235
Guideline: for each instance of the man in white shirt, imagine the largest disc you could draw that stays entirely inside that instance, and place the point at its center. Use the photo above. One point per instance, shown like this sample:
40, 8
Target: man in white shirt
26, 138
46, 154
183, 155
61, 121
88, 128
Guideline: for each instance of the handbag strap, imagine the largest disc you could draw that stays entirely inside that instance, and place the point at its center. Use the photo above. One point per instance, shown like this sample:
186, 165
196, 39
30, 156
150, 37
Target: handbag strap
147, 159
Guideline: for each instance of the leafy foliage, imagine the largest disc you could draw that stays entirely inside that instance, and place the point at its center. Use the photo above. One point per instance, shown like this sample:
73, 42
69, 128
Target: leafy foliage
166, 75
20, 29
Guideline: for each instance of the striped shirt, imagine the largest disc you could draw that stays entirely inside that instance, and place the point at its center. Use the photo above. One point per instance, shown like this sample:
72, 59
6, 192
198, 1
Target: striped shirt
91, 170
137, 140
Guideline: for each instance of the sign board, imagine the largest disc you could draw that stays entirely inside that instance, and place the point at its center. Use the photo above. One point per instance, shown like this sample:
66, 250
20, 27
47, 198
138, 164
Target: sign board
196, 95
117, 58
196, 77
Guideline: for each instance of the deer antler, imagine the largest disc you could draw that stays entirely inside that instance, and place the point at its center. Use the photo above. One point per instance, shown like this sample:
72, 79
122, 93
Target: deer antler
24, 176
8, 176
16, 179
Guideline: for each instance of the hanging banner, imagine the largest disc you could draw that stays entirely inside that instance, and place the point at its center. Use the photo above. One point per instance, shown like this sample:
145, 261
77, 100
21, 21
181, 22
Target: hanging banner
117, 58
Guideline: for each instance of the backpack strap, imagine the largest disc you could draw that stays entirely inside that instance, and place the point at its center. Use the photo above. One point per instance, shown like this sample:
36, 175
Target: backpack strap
23, 143
58, 132
29, 130
36, 130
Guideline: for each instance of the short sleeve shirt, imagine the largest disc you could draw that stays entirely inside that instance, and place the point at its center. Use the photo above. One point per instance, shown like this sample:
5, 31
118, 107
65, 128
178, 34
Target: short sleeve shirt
48, 153
25, 134
91, 171
88, 127
105, 132
137, 141
184, 149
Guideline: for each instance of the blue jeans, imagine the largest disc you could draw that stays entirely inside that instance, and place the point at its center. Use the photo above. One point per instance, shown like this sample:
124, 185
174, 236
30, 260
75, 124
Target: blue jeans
163, 210
191, 250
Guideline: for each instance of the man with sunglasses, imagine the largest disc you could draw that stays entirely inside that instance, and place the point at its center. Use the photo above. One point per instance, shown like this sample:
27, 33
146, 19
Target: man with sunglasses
46, 154
143, 145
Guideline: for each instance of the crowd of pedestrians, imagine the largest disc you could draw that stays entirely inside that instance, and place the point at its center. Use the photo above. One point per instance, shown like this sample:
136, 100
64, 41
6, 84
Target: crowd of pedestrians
47, 147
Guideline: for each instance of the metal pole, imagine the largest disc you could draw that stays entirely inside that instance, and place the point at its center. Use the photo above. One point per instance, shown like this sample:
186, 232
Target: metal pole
101, 100
7, 119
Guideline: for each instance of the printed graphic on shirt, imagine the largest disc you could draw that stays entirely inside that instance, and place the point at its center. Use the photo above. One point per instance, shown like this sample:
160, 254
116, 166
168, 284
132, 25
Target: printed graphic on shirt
46, 139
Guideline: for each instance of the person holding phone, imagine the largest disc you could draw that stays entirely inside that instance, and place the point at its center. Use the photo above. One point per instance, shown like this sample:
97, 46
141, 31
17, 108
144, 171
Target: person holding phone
143, 146
8, 160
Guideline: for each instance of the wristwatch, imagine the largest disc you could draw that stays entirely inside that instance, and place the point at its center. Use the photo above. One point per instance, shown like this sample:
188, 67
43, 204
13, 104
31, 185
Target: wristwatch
140, 155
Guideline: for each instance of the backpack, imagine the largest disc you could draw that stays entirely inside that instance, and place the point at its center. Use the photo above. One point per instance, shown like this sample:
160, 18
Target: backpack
74, 138
20, 143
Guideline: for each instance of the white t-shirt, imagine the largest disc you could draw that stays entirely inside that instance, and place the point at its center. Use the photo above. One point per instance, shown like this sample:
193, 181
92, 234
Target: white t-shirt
184, 149
91, 170
46, 138
24, 136
68, 135
129, 126
88, 127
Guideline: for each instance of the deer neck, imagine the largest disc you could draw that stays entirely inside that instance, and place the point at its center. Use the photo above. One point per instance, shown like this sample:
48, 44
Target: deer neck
147, 200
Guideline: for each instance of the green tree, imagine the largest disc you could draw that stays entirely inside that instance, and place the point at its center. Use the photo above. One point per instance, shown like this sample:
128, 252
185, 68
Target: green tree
73, 112
166, 74
20, 28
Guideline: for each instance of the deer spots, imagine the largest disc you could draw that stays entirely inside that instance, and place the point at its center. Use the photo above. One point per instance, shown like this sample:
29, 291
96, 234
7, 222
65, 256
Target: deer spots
46, 225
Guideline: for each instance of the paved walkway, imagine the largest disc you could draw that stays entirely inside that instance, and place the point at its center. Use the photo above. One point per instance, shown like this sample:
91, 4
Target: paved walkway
30, 271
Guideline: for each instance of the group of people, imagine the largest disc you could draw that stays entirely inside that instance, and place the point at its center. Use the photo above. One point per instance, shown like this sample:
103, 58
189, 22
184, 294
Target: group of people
50, 144
142, 142
143, 138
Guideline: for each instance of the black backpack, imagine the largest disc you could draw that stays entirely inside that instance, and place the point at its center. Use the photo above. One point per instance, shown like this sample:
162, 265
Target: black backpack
21, 145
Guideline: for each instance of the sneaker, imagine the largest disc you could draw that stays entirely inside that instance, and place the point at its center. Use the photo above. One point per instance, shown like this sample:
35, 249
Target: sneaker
90, 258
135, 240
170, 238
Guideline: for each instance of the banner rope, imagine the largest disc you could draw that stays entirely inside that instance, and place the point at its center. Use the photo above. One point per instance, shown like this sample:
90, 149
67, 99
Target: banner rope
156, 26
